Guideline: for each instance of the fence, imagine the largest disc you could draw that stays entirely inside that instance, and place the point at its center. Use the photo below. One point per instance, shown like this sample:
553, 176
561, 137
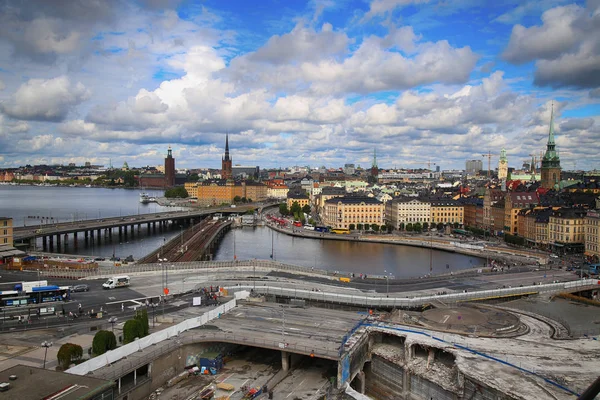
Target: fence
377, 300
157, 337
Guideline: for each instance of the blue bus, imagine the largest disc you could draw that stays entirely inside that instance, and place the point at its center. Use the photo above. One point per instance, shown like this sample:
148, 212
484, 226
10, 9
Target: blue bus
34, 295
321, 229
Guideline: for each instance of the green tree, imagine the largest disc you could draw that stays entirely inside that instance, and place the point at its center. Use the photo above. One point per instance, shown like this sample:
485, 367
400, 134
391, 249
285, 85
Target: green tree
295, 208
401, 226
283, 210
249, 212
359, 227
425, 226
409, 227
237, 199
193, 178
312, 222
244, 200
306, 209
375, 227
417, 227
131, 330
456, 225
440, 226
103, 342
351, 227
142, 316
176, 192
69, 353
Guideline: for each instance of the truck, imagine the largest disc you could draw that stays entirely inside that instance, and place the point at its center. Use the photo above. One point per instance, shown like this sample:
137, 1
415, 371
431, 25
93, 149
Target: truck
116, 282
28, 286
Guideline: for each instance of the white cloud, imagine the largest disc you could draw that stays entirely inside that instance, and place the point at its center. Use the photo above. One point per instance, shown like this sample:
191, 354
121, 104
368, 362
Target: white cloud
565, 47
379, 7
2, 85
45, 100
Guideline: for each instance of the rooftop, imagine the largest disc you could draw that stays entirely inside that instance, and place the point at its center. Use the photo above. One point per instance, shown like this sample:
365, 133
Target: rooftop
48, 382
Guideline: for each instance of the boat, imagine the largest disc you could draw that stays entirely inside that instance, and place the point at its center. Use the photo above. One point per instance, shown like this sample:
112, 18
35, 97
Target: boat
144, 198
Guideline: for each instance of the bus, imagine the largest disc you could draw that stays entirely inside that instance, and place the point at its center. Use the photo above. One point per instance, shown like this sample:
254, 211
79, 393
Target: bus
34, 295
323, 229
341, 231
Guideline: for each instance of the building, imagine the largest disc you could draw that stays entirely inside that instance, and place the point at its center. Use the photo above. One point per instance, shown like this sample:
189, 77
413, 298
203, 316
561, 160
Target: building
551, 161
472, 207
328, 192
215, 192
296, 197
349, 169
404, 210
37, 383
277, 191
533, 225
342, 212
169, 169
240, 171
447, 211
513, 203
566, 230
503, 166
6, 231
374, 167
472, 167
226, 169
592, 234
254, 191
491, 197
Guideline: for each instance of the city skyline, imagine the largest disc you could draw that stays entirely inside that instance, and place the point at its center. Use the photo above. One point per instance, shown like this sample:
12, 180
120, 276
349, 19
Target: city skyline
309, 83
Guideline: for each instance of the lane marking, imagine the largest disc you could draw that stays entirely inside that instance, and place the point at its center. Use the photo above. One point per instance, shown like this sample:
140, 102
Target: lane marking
446, 318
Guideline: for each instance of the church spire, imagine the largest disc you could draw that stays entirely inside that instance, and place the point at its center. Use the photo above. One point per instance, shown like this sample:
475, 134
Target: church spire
226, 147
374, 158
551, 131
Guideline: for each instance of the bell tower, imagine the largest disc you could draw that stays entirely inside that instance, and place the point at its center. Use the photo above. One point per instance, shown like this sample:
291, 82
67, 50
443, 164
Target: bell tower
551, 161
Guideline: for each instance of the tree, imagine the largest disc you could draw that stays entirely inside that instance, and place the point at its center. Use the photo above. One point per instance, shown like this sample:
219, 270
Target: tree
295, 208
176, 192
401, 226
425, 226
417, 227
283, 210
249, 212
131, 330
142, 316
193, 178
409, 227
103, 342
237, 199
69, 353
375, 227
306, 209
312, 222
456, 225
244, 199
440, 226
351, 227
389, 228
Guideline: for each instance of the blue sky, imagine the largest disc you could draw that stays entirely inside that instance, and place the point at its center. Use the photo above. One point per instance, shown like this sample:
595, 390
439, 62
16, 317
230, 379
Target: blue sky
315, 83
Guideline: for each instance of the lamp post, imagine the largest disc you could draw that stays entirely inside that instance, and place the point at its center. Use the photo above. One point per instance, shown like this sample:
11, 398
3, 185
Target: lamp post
153, 305
112, 321
46, 344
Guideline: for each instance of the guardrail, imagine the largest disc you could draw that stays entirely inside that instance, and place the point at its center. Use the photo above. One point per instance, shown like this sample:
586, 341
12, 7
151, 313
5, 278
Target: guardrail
377, 300
157, 337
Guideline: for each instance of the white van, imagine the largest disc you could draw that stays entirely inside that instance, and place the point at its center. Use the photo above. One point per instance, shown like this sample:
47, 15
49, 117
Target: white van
116, 281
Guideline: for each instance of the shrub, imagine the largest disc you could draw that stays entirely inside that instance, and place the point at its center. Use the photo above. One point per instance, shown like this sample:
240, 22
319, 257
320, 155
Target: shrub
131, 330
351, 227
69, 353
142, 316
103, 342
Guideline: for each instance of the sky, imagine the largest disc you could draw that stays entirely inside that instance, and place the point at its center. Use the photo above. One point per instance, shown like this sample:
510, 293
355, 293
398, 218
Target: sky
321, 82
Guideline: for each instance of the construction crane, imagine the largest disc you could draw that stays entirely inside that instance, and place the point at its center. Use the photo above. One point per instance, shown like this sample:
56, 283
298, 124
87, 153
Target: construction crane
489, 157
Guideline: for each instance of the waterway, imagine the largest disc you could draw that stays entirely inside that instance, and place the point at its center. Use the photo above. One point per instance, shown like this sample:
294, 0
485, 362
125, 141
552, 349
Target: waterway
27, 205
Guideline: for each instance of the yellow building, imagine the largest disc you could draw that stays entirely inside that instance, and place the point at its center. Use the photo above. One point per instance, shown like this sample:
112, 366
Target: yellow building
6, 231
192, 189
446, 212
566, 229
221, 191
301, 199
341, 212
277, 191
533, 225
592, 233
513, 203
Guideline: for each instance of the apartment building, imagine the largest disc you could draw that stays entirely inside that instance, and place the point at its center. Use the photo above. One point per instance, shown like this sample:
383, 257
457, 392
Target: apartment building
6, 231
404, 210
341, 212
513, 203
566, 230
592, 234
491, 197
447, 211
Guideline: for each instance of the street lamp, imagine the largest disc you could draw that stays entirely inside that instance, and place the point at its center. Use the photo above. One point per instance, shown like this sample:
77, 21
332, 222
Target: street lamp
46, 344
112, 321
153, 305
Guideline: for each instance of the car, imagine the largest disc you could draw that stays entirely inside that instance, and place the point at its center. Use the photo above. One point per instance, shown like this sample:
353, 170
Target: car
80, 288
553, 256
99, 259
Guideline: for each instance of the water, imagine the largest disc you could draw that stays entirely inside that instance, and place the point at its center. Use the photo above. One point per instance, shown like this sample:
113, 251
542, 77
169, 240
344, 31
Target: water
68, 204
369, 258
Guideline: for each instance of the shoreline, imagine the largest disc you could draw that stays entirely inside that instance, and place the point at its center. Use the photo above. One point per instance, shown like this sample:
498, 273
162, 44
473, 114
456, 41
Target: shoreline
491, 252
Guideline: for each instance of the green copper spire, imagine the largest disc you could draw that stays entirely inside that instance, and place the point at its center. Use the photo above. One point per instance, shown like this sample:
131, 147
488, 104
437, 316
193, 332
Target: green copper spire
503, 155
551, 158
374, 158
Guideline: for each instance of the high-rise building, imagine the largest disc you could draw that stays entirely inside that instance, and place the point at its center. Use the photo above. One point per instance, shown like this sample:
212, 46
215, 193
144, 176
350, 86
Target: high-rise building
503, 166
169, 169
472, 167
226, 170
551, 161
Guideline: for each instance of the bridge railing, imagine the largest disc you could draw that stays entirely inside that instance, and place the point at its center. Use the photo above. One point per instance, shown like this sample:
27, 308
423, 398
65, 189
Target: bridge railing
379, 300
157, 337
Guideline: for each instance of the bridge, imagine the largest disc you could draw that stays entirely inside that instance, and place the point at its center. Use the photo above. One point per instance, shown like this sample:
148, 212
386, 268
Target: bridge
92, 228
